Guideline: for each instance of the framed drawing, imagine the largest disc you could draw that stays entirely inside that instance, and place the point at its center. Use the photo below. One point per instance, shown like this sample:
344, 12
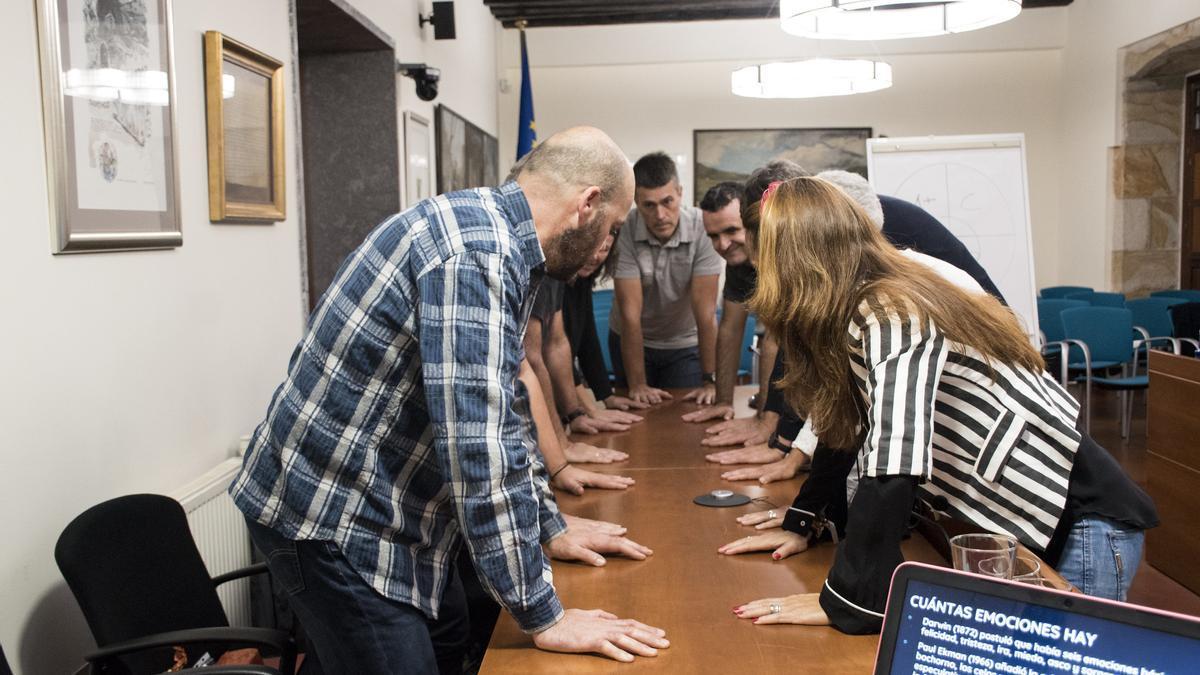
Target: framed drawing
733, 154
418, 169
243, 94
467, 156
108, 103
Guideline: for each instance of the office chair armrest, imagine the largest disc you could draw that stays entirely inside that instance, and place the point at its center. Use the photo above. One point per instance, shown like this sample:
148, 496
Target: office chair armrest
275, 640
1174, 342
1145, 333
247, 571
1194, 343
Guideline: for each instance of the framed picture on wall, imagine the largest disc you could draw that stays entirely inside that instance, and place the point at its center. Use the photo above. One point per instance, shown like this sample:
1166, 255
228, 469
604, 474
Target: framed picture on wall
733, 154
418, 164
108, 103
243, 94
467, 156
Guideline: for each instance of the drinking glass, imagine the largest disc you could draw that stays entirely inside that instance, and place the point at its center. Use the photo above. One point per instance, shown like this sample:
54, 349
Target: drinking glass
992, 555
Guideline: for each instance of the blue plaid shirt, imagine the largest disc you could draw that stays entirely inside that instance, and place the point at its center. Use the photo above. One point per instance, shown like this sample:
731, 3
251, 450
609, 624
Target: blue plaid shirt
401, 426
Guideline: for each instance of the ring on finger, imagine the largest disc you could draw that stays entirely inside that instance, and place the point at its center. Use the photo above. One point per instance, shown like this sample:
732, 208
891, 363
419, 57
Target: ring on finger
775, 608
771, 515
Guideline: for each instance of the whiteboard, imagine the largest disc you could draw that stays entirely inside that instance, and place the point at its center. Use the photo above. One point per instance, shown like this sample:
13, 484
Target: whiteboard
978, 188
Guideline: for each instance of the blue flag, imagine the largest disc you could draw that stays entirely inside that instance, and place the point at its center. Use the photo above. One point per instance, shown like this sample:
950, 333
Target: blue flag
526, 129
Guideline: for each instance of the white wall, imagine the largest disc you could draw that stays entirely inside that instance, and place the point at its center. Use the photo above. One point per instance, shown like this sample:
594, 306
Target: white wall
650, 86
133, 372
1096, 30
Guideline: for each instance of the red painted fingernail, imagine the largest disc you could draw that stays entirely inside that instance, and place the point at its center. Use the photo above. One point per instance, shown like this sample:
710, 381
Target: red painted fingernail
775, 556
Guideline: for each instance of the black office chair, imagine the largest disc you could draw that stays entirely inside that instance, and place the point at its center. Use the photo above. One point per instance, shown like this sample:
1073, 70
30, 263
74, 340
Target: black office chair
141, 583
1186, 319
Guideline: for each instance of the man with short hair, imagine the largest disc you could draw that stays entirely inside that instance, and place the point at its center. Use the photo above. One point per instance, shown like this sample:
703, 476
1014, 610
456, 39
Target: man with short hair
400, 432
721, 212
663, 323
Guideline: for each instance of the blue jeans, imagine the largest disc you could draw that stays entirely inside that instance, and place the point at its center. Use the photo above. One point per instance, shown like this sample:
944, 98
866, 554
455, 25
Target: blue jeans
351, 627
1101, 557
665, 368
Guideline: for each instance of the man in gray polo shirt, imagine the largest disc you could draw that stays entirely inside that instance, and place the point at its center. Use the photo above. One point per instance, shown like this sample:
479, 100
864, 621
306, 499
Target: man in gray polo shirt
663, 323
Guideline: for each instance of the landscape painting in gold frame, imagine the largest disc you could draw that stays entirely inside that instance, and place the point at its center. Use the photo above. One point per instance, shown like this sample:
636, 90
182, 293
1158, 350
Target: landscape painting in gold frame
244, 104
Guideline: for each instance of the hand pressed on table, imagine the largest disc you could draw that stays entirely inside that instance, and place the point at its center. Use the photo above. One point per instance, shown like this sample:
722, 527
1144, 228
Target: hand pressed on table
646, 394
575, 480
763, 520
717, 411
784, 469
754, 454
705, 395
590, 547
781, 542
582, 631
803, 608
577, 524
744, 431
615, 402
584, 453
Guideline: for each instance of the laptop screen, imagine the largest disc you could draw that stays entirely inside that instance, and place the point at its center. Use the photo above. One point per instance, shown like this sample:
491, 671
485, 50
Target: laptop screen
941, 622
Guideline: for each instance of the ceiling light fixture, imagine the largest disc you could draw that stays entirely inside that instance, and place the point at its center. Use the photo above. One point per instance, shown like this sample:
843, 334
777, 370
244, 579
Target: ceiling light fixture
812, 78
891, 19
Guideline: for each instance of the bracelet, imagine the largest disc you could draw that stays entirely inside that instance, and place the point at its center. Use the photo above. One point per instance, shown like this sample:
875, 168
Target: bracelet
776, 444
573, 415
559, 470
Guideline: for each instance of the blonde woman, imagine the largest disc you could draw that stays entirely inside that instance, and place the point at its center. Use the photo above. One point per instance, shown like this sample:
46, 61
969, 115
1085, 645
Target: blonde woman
939, 394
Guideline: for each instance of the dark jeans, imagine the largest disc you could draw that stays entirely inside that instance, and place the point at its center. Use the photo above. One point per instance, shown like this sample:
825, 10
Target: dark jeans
665, 368
354, 629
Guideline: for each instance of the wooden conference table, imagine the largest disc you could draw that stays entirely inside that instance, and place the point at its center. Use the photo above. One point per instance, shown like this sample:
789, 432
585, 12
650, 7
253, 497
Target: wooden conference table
686, 587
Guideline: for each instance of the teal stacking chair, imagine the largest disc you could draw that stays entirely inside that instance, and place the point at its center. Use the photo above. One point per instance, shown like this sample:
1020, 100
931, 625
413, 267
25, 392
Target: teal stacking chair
1060, 292
748, 365
1188, 295
1152, 320
1103, 337
1099, 298
602, 301
1054, 337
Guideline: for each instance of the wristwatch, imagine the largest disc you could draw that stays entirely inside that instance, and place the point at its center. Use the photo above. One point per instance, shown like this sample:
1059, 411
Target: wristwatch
572, 416
709, 378
773, 441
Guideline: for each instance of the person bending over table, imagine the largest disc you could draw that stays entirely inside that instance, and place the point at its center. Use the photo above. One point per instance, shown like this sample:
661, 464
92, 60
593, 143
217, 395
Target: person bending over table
549, 352
721, 212
875, 343
663, 327
906, 226
398, 434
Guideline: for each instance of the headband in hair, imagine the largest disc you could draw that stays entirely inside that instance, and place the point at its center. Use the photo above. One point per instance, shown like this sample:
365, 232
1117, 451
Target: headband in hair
770, 191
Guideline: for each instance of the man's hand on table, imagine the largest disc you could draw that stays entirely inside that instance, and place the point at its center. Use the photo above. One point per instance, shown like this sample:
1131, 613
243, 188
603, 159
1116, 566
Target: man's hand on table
575, 480
646, 394
705, 395
577, 524
602, 421
784, 469
589, 547
804, 608
754, 454
583, 453
582, 631
745, 431
615, 402
717, 411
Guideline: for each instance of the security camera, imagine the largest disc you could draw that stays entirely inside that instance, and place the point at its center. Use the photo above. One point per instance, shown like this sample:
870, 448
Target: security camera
425, 77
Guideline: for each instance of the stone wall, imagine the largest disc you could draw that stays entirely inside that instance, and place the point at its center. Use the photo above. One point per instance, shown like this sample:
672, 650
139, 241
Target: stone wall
1145, 168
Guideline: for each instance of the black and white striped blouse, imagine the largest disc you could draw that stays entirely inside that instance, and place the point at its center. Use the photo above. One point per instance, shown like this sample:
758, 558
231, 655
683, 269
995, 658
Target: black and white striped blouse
998, 442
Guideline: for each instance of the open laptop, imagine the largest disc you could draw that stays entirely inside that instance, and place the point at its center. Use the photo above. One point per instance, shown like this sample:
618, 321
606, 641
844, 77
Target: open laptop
939, 621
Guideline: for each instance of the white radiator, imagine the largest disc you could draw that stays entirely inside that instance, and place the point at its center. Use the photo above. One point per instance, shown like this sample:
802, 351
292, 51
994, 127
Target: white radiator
220, 534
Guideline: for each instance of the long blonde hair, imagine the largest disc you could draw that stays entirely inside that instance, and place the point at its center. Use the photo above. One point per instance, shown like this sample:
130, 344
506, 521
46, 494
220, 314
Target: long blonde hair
819, 258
